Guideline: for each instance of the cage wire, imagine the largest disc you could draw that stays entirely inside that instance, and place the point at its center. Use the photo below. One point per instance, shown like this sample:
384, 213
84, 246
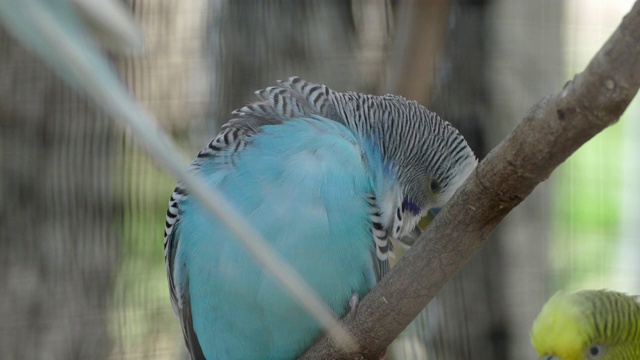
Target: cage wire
82, 207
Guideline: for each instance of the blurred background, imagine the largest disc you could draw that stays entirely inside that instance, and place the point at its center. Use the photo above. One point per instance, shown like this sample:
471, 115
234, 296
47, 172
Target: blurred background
82, 208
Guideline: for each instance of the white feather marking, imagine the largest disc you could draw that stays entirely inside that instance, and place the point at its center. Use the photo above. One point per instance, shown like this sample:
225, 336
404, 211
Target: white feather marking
381, 256
380, 242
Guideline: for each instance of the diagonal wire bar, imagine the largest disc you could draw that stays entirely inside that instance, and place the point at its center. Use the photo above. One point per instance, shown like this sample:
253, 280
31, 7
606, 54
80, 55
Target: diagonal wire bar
51, 29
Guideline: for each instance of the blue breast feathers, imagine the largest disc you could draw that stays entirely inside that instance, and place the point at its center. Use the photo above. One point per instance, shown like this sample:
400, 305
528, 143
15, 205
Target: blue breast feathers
302, 184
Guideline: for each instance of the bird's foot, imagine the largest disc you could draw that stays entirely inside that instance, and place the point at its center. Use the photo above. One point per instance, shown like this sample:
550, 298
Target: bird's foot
354, 300
383, 355
353, 304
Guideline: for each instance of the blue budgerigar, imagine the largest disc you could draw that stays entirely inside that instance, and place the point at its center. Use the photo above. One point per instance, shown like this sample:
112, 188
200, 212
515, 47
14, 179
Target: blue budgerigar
328, 178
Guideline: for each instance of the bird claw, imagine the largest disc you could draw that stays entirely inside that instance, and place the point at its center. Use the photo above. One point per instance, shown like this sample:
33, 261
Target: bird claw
354, 300
383, 355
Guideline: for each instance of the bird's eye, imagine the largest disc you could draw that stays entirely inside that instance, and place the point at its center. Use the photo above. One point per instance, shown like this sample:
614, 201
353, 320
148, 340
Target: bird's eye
595, 352
434, 186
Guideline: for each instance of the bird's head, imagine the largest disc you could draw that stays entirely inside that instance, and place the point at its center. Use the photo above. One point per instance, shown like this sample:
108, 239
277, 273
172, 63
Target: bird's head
587, 325
427, 158
430, 157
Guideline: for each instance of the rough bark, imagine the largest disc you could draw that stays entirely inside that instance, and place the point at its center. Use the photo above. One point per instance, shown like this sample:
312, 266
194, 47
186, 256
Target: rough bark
550, 132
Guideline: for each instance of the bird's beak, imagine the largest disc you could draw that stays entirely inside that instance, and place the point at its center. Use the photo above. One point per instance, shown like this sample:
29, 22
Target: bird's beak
548, 357
411, 237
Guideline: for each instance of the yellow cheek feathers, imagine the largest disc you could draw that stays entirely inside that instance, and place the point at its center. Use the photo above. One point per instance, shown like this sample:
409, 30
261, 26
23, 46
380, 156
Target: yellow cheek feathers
557, 330
569, 324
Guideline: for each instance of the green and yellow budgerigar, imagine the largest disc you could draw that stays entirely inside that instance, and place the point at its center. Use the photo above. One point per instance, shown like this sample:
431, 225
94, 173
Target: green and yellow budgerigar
588, 325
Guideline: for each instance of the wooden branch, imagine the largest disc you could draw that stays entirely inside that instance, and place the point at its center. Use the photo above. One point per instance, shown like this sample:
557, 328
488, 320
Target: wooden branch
551, 131
417, 46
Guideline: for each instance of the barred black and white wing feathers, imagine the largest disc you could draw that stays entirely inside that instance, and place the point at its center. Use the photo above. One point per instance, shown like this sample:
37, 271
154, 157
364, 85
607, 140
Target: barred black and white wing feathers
293, 98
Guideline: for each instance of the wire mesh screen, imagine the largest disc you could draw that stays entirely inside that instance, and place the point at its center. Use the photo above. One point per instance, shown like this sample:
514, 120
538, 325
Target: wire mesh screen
82, 206
595, 220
